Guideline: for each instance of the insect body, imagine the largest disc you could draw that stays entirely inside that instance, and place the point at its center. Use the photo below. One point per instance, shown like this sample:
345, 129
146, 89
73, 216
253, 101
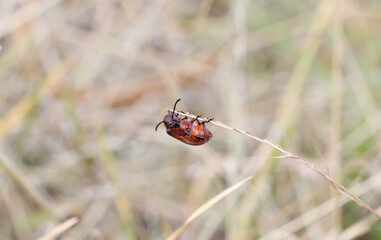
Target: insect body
189, 131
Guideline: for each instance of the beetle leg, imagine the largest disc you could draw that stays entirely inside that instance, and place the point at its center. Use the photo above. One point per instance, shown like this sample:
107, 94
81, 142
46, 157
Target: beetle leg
177, 114
189, 132
199, 137
185, 117
208, 120
197, 119
203, 125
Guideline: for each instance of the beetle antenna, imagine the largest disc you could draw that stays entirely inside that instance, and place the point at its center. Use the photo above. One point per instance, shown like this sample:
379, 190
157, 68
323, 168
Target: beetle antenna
158, 125
174, 107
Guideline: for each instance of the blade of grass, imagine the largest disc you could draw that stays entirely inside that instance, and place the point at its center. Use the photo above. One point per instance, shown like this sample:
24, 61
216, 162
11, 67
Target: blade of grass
336, 102
205, 207
287, 108
61, 228
121, 202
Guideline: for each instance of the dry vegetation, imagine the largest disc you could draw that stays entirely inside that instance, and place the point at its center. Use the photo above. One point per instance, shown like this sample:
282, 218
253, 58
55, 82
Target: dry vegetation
83, 84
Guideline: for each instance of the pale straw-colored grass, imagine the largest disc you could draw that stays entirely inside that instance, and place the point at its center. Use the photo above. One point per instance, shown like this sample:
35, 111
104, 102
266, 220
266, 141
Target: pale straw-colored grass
84, 83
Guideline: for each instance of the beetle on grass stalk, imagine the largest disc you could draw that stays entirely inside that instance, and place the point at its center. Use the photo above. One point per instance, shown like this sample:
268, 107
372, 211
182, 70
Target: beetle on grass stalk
187, 130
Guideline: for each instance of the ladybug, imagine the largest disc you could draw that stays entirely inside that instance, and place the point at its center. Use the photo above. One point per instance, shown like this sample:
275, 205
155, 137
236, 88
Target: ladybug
186, 130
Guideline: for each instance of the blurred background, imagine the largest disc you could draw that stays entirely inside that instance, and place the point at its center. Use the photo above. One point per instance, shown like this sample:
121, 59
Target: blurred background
83, 84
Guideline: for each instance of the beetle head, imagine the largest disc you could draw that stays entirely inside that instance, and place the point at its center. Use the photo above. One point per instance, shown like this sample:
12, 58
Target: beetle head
170, 119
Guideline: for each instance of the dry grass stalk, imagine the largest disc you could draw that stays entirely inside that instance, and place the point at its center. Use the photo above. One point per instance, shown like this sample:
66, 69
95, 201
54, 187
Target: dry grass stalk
335, 184
206, 206
55, 232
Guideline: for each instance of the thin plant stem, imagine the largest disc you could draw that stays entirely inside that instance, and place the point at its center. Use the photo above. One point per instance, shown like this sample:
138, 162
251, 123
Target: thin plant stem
288, 154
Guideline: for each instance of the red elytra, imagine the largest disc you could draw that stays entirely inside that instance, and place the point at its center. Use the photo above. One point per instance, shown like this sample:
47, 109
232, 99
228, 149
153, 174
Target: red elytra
189, 131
